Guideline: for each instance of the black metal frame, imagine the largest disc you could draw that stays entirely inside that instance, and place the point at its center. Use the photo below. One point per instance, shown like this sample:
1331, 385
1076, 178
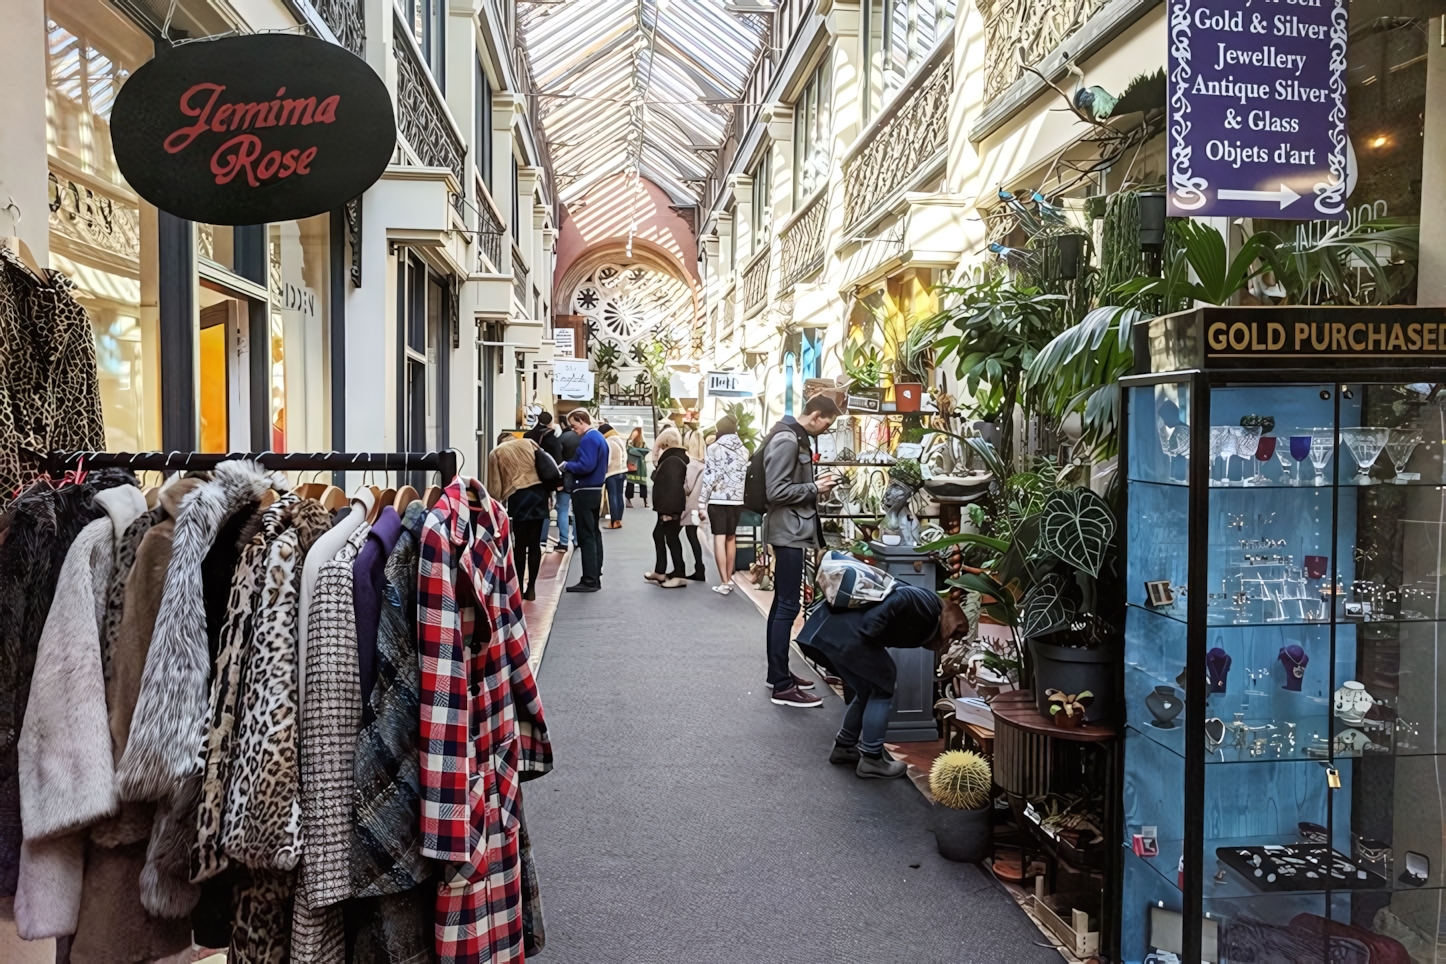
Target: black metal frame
444, 463
1209, 373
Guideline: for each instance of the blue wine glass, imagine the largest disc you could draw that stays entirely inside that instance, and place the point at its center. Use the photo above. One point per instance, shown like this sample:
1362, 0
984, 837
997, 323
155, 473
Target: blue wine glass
1299, 448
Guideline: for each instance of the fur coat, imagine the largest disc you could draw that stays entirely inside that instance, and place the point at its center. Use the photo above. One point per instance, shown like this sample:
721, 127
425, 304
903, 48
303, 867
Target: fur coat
167, 730
67, 772
43, 523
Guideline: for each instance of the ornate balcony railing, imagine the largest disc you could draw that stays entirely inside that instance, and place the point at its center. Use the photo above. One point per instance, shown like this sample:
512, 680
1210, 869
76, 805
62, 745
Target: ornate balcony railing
489, 233
755, 283
801, 243
84, 210
902, 143
520, 286
344, 17
1027, 28
422, 118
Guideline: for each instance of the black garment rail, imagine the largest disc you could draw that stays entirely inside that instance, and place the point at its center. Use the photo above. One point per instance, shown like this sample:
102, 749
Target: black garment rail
443, 463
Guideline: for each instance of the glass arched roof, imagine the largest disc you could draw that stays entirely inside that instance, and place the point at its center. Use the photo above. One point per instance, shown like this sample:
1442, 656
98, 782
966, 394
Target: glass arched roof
638, 85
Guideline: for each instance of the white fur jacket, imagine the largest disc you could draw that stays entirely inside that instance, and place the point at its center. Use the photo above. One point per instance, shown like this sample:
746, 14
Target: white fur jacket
67, 779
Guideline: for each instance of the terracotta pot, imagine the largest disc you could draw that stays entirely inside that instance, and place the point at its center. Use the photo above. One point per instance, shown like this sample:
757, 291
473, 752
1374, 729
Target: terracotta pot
907, 396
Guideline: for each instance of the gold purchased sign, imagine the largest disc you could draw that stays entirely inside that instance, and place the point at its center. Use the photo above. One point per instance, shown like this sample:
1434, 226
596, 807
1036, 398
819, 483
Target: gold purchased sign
1313, 338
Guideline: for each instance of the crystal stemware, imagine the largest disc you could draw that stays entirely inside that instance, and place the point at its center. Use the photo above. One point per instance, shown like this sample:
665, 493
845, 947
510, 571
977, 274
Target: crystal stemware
1365, 445
1264, 452
1322, 447
1244, 440
1219, 436
1287, 464
1399, 446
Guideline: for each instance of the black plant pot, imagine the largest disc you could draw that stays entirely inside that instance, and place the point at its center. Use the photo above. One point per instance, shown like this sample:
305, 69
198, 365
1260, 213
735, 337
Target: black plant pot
964, 835
1072, 670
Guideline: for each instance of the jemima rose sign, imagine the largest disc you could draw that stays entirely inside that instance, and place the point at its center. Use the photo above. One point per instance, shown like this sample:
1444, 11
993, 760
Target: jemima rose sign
253, 129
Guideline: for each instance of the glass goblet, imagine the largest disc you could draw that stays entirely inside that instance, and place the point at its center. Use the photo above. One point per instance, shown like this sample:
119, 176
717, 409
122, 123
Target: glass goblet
1245, 438
1365, 445
1299, 448
1287, 464
1322, 447
1264, 452
1219, 436
1399, 446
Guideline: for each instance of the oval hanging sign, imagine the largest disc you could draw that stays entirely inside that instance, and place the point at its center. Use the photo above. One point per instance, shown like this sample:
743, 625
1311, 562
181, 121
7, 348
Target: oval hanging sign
248, 130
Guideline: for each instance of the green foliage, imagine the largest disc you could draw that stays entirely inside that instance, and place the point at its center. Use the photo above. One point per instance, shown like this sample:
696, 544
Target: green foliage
915, 357
1370, 264
1000, 328
907, 472
608, 358
863, 363
961, 780
657, 376
1202, 251
1079, 371
747, 431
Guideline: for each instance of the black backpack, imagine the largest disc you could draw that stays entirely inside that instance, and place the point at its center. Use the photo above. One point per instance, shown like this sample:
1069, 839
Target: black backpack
546, 466
755, 484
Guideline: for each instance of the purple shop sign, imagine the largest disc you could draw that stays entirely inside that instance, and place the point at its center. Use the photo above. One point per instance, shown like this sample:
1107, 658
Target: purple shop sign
1257, 104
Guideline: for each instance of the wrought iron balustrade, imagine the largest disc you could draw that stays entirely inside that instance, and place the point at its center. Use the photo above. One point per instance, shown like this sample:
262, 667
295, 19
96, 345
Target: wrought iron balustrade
345, 19
755, 283
84, 210
903, 142
422, 118
730, 312
801, 249
1027, 29
489, 233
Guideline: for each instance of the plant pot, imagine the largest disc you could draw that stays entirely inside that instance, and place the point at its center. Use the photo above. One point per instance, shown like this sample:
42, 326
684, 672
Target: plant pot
964, 835
1066, 721
907, 395
1074, 670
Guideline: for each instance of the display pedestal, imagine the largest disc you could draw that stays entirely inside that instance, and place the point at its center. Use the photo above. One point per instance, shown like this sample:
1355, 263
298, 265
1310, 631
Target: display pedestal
912, 718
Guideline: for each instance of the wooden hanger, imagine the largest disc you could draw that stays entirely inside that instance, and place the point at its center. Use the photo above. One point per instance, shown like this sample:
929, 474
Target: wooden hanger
388, 497
312, 490
268, 499
333, 498
152, 495
434, 492
406, 495
22, 251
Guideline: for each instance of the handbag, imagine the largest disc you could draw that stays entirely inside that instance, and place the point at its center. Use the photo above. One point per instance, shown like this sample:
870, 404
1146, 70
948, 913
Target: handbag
546, 467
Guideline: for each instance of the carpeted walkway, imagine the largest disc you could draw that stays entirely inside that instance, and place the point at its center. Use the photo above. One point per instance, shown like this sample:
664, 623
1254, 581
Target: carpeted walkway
691, 821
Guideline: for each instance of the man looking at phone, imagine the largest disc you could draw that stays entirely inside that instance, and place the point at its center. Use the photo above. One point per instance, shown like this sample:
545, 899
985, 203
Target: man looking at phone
790, 527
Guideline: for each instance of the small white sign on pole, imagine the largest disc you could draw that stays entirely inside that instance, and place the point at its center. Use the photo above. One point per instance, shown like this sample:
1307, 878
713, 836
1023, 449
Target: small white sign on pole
564, 343
729, 385
571, 380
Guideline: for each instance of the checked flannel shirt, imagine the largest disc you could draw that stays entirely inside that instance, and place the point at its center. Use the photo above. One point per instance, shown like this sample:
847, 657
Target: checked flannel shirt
482, 725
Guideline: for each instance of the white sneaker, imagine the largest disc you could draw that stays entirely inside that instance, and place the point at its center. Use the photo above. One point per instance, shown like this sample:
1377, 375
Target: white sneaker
658, 578
723, 589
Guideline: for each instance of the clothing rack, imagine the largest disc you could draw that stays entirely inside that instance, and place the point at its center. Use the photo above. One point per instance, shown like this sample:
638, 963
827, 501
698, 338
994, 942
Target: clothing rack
444, 463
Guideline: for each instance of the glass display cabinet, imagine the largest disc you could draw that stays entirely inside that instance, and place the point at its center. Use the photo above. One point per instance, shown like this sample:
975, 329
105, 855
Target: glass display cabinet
1283, 773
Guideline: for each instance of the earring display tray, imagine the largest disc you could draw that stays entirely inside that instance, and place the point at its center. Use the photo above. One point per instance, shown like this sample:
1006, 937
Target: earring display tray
1287, 867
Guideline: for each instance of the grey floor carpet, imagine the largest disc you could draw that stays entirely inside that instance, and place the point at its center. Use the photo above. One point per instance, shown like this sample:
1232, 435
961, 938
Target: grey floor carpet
688, 819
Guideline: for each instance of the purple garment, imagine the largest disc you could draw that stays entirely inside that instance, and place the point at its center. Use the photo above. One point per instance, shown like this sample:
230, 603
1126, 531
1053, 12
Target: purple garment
369, 576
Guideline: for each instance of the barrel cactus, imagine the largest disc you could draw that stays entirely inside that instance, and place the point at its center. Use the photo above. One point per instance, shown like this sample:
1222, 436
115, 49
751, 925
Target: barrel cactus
962, 780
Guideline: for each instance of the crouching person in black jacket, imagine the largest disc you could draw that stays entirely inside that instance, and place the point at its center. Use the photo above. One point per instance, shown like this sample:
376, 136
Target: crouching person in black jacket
852, 642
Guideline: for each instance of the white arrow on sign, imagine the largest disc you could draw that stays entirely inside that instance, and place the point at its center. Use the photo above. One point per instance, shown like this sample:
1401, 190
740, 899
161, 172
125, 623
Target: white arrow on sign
1285, 195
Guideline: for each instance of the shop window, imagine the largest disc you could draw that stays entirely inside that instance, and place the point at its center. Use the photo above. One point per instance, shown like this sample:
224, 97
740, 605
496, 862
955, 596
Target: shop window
812, 133
428, 19
762, 208
898, 36
482, 128
299, 282
102, 236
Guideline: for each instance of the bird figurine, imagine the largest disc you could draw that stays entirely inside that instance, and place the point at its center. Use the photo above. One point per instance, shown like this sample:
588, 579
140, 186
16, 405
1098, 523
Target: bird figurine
1093, 100
1018, 259
1026, 217
1048, 213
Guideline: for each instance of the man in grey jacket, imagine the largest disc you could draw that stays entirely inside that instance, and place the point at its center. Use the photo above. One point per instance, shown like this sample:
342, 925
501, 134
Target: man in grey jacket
790, 527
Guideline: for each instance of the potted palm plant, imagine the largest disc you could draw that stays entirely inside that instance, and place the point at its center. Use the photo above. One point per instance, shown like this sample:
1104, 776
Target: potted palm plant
864, 366
962, 785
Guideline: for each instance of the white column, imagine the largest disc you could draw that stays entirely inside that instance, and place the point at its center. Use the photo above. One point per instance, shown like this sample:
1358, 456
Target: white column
24, 188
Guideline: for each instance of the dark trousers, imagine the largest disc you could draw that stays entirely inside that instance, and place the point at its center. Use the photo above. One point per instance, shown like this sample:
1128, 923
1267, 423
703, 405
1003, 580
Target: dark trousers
586, 507
787, 598
665, 533
615, 496
692, 532
528, 551
866, 721
642, 486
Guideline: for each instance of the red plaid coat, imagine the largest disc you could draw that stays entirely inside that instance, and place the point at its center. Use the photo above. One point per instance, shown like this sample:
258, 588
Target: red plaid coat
482, 725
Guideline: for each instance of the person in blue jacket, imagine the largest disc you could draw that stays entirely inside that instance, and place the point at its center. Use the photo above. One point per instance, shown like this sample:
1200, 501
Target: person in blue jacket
584, 475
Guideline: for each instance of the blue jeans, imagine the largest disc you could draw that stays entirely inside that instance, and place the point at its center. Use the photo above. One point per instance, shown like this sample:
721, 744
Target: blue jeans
866, 721
787, 599
615, 496
563, 501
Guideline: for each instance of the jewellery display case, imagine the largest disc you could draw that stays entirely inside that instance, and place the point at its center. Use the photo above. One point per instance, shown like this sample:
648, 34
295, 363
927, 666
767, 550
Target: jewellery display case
1287, 501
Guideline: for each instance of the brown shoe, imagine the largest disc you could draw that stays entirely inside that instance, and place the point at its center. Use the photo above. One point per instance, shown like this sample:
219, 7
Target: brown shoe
793, 696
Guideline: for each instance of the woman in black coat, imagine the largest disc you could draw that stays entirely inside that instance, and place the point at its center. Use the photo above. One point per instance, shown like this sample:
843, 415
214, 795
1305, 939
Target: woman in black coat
670, 501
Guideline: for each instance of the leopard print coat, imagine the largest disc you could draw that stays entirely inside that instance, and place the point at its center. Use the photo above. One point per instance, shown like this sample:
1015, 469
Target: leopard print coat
49, 387
251, 808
